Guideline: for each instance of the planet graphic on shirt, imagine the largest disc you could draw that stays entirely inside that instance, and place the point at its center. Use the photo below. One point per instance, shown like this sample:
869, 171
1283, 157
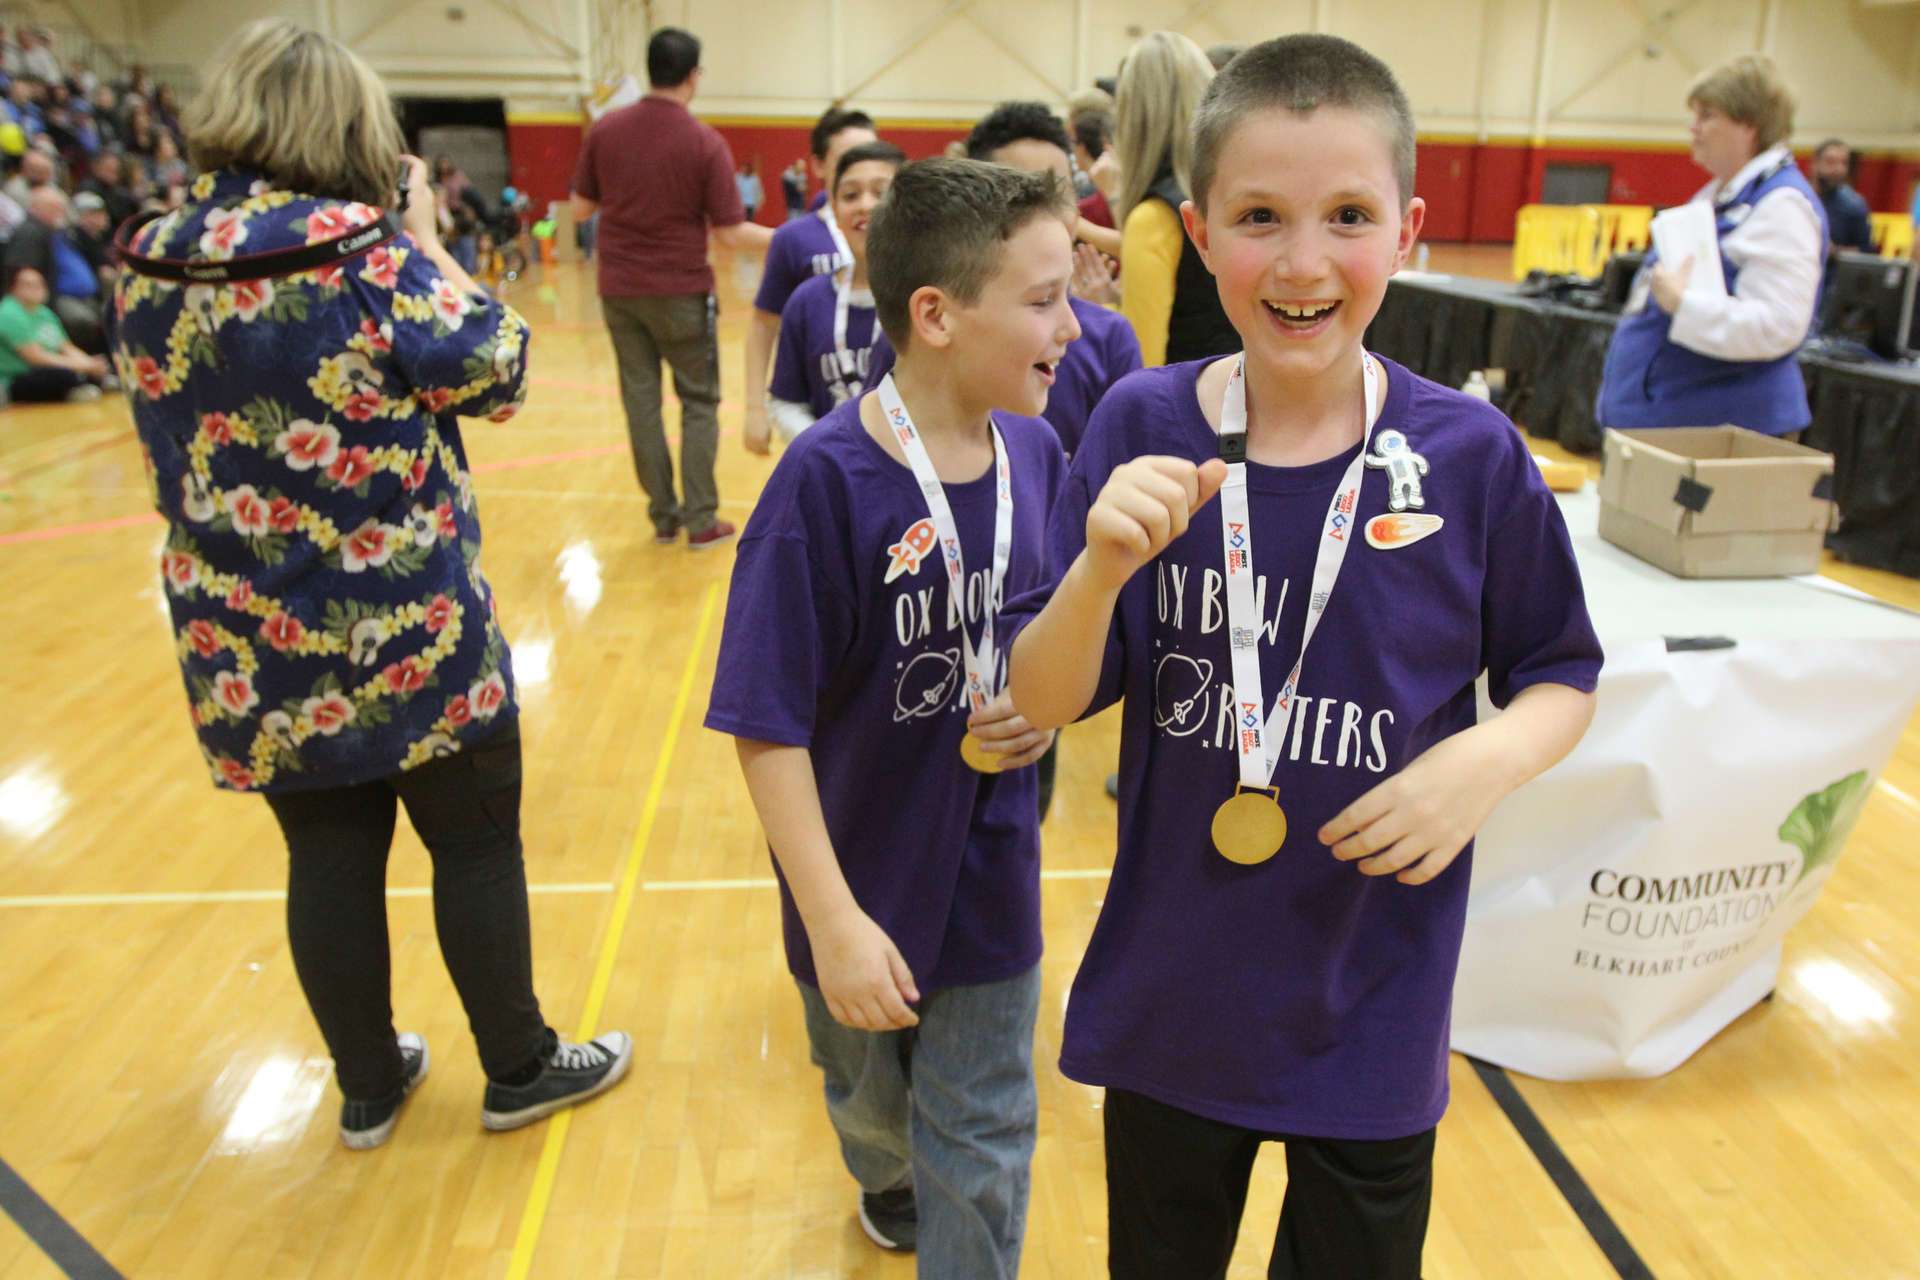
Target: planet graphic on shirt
927, 685
1182, 690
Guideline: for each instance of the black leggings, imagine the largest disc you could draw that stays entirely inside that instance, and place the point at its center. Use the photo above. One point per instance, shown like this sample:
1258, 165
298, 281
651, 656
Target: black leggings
1177, 1182
466, 808
45, 385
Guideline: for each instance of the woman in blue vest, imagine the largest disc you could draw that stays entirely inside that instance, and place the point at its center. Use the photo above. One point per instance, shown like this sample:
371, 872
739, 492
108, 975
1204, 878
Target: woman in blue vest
1689, 360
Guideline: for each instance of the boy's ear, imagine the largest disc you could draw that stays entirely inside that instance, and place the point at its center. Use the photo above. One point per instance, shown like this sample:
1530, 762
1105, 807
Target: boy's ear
1196, 224
930, 314
1410, 223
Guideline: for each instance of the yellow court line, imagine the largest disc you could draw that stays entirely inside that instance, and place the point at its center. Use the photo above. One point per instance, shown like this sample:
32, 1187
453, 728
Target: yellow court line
549, 1168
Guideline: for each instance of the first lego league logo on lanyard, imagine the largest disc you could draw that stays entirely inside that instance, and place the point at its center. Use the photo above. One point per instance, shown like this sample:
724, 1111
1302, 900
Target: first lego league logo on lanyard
981, 660
1249, 827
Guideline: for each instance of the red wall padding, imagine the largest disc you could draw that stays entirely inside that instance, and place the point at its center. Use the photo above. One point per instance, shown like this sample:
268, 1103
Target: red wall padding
1472, 190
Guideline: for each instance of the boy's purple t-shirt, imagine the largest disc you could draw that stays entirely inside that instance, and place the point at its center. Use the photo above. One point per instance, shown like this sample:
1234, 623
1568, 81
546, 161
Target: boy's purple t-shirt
804, 368
838, 640
801, 249
1300, 996
1105, 352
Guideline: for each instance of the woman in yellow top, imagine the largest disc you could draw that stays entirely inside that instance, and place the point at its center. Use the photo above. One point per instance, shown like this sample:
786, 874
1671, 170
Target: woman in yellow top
1166, 290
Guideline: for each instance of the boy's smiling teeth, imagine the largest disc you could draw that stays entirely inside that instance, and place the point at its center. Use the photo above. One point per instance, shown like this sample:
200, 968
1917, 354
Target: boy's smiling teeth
1302, 310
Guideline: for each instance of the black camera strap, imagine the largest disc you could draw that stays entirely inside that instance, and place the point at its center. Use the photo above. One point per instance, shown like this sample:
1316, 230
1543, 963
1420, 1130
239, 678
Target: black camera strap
257, 266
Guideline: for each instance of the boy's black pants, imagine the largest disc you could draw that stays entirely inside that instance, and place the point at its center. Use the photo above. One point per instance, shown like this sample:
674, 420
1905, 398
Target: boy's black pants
1177, 1182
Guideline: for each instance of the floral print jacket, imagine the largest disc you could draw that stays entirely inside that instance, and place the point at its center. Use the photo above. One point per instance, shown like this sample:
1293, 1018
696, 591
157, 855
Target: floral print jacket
322, 543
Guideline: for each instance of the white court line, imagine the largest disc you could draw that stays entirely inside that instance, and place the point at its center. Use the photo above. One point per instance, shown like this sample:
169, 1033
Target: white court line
691, 886
768, 882
242, 895
1899, 795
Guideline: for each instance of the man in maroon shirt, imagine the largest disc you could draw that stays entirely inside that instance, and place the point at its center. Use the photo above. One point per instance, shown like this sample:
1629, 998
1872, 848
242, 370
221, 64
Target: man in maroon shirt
660, 180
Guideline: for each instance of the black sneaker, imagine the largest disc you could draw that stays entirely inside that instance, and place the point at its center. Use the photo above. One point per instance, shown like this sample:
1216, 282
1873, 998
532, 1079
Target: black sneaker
571, 1073
365, 1125
890, 1219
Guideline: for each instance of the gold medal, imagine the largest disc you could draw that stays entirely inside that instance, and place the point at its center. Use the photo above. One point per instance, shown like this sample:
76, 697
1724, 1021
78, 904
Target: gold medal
978, 758
1250, 827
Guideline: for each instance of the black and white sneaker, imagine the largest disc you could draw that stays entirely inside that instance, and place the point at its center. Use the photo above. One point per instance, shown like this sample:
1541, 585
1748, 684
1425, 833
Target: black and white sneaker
570, 1073
365, 1125
890, 1219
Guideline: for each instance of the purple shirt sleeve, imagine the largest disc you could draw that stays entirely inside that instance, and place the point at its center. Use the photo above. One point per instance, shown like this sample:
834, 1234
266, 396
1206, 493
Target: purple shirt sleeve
1533, 609
790, 355
1123, 352
786, 630
1066, 539
785, 271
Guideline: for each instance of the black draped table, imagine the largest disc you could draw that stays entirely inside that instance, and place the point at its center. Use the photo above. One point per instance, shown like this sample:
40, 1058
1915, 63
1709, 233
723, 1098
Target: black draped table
1866, 415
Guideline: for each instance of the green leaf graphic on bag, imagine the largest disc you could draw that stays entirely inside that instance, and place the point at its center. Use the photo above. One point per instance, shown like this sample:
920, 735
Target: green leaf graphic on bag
1820, 824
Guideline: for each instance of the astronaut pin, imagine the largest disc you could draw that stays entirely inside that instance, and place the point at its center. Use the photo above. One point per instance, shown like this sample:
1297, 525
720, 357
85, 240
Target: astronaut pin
1404, 468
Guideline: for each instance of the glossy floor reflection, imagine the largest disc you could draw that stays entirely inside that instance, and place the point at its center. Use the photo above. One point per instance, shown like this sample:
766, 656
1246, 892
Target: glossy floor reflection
166, 1091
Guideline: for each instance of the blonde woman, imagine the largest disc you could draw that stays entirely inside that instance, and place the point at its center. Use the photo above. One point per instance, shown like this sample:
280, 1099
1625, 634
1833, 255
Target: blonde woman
336, 639
1680, 358
1167, 292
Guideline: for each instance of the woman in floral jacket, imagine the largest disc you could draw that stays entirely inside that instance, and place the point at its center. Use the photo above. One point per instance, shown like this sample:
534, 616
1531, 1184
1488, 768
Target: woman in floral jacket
338, 643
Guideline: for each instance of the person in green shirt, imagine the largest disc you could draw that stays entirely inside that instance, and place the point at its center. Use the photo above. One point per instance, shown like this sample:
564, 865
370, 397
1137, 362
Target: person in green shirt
38, 363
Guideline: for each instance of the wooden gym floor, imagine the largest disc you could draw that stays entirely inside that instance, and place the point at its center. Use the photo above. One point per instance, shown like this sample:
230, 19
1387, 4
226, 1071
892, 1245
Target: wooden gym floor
166, 1093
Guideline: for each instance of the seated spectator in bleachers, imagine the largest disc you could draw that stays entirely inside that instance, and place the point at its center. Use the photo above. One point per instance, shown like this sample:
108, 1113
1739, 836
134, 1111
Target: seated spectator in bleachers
66, 134
38, 362
106, 115
85, 130
93, 230
136, 84
37, 57
137, 181
108, 180
166, 109
36, 169
23, 107
140, 137
167, 169
1849, 222
46, 243
11, 216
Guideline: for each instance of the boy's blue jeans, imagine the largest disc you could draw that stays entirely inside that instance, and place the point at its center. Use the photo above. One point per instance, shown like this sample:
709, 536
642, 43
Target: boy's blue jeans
948, 1108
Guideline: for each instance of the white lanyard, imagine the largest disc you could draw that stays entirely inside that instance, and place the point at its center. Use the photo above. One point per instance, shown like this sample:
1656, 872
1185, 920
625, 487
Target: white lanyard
981, 661
1259, 739
842, 290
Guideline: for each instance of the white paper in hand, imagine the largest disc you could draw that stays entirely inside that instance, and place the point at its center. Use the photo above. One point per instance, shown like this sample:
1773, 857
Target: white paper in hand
1689, 231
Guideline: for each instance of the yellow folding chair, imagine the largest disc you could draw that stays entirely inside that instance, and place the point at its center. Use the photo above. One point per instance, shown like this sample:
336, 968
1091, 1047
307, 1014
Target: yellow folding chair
1893, 235
1561, 239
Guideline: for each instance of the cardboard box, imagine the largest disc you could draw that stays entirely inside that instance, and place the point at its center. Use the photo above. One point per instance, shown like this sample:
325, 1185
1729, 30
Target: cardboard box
566, 245
1716, 502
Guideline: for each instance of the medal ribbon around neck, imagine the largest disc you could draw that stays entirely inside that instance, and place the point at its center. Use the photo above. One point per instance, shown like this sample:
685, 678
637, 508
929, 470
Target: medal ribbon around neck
842, 298
980, 661
1259, 739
